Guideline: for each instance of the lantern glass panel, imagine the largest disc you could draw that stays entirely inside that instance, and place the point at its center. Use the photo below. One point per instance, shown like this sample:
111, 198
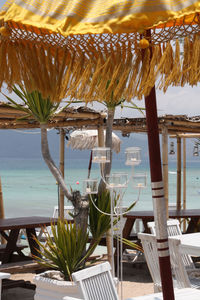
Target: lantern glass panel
133, 156
139, 180
101, 155
90, 186
123, 180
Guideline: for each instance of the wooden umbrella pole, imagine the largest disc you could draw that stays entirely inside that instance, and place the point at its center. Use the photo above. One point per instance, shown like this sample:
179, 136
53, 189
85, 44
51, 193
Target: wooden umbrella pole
165, 164
178, 197
158, 196
184, 180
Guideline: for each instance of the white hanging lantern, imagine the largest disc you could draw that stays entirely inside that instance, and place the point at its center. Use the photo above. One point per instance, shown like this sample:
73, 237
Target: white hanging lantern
133, 157
112, 181
139, 180
123, 179
90, 186
101, 155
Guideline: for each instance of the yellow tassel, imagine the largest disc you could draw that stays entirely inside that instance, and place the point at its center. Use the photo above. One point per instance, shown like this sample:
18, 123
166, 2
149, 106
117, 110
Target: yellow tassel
4, 31
186, 61
84, 81
193, 75
123, 77
59, 85
77, 73
14, 66
132, 81
143, 43
165, 65
144, 72
174, 77
67, 77
3, 64
105, 77
95, 78
152, 76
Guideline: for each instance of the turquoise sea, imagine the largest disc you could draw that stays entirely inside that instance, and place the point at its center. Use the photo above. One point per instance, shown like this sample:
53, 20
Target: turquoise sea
30, 189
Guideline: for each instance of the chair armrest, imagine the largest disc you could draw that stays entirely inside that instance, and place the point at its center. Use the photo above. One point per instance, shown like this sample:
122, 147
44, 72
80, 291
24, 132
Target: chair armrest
4, 275
71, 298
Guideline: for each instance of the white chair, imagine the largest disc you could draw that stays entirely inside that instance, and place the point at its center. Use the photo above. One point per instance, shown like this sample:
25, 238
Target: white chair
184, 277
180, 276
151, 255
173, 229
3, 276
95, 283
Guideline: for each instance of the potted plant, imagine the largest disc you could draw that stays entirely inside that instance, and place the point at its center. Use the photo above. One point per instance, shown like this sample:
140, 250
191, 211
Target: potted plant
64, 252
68, 249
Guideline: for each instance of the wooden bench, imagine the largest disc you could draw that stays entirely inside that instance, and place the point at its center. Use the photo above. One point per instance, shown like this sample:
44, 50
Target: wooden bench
9, 284
27, 266
19, 247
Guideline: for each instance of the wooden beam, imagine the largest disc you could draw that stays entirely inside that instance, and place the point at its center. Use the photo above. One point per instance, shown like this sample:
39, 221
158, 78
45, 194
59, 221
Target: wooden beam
186, 135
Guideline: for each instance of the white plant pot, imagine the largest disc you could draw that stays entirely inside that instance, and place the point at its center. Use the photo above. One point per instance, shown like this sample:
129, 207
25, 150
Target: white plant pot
52, 289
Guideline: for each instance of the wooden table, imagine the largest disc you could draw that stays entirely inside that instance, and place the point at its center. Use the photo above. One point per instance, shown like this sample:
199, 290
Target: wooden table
192, 215
190, 243
10, 228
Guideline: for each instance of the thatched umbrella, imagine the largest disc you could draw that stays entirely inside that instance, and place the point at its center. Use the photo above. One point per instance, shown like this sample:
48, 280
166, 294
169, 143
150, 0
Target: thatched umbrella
107, 51
88, 139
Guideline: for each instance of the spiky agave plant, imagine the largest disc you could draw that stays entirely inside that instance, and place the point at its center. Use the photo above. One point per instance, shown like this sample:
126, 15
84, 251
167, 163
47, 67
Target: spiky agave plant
66, 249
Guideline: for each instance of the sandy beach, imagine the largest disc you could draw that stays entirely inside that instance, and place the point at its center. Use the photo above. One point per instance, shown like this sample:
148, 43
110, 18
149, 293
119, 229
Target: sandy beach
137, 282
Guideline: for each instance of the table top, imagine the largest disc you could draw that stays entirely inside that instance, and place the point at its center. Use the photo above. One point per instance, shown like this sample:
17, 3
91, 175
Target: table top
172, 213
25, 222
190, 243
180, 294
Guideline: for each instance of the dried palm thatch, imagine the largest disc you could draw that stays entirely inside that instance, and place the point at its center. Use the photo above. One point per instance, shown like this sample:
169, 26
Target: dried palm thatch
88, 139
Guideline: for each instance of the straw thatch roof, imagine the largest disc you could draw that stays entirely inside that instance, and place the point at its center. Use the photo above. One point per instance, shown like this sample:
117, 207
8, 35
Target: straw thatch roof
84, 117
10, 118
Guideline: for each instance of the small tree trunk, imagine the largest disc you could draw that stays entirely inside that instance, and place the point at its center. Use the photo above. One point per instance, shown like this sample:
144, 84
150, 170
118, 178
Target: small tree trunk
80, 204
102, 186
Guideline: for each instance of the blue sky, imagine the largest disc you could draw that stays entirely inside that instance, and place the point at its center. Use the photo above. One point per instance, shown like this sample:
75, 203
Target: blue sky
175, 101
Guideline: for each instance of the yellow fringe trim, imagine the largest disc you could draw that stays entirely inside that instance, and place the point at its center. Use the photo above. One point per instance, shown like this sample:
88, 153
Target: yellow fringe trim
99, 73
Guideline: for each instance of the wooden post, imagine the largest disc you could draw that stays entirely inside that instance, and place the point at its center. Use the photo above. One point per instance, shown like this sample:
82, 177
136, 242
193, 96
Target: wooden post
62, 170
1, 202
184, 180
165, 165
178, 191
2, 215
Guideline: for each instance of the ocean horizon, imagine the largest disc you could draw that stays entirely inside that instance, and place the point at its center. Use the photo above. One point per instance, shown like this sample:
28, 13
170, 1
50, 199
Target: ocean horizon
30, 189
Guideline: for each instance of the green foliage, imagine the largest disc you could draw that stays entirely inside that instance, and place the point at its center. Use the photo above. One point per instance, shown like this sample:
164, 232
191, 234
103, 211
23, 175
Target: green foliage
66, 250
99, 223
34, 104
132, 244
